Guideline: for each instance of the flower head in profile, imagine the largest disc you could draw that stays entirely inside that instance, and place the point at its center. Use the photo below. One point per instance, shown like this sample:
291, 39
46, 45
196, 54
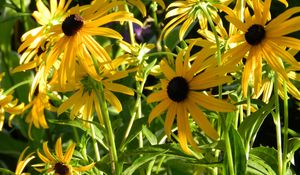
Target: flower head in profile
23, 161
263, 40
59, 163
268, 84
36, 114
186, 13
8, 105
183, 93
84, 102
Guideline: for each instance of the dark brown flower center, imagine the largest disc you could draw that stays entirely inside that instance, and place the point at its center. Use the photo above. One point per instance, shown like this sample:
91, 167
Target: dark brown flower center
255, 34
178, 89
72, 24
61, 169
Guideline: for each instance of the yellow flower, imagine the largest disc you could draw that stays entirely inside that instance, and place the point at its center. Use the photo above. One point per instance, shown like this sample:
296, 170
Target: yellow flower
183, 92
73, 40
260, 40
8, 105
21, 164
268, 83
59, 163
36, 115
187, 12
84, 102
34, 40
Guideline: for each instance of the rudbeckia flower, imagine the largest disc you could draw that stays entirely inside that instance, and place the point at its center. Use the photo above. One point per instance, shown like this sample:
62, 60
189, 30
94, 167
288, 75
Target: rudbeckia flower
34, 40
261, 39
59, 163
8, 105
268, 84
73, 38
187, 12
22, 162
37, 107
84, 102
183, 93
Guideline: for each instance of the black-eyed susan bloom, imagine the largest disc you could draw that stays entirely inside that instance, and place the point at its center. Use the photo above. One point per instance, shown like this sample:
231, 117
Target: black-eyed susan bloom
36, 114
186, 13
268, 84
183, 95
34, 40
59, 163
73, 39
261, 39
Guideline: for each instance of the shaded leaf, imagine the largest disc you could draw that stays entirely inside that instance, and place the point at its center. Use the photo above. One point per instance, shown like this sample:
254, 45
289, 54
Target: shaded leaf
251, 124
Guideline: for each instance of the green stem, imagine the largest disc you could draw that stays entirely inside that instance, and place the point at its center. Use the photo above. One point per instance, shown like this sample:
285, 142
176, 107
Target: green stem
160, 53
111, 138
278, 126
95, 144
153, 8
285, 127
229, 152
219, 59
213, 28
16, 86
139, 115
130, 26
25, 18
248, 103
150, 167
76, 135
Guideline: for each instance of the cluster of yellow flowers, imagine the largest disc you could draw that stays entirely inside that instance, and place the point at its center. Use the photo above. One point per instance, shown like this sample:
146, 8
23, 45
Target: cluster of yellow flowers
67, 57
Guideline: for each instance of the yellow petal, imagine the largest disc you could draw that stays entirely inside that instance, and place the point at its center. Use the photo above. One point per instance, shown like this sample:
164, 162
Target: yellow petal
171, 113
159, 109
157, 96
58, 149
118, 88
167, 71
181, 115
47, 152
140, 5
113, 100
211, 103
202, 121
69, 153
84, 168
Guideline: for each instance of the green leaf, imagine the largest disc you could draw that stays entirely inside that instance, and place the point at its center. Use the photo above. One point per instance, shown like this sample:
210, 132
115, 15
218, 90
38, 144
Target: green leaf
135, 130
6, 171
293, 146
78, 124
149, 135
148, 68
141, 161
238, 153
257, 166
173, 37
104, 165
251, 124
265, 159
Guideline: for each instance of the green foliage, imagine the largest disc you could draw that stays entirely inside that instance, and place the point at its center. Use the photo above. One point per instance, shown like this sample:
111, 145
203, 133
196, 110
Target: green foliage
125, 142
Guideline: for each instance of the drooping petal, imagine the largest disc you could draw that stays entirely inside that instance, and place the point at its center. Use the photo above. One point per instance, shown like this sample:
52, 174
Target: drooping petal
171, 113
159, 109
202, 121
